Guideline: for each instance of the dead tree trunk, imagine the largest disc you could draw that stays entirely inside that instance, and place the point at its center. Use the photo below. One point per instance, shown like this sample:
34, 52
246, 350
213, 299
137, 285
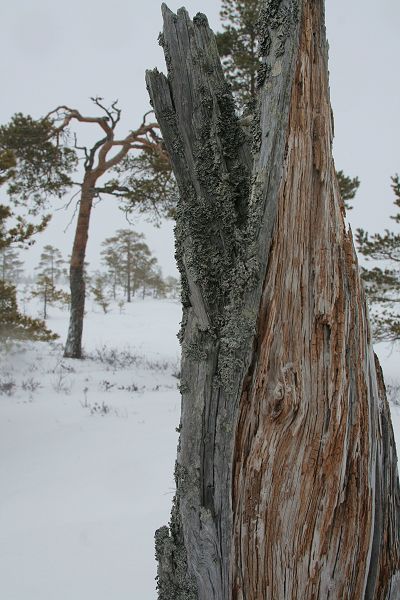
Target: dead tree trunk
287, 485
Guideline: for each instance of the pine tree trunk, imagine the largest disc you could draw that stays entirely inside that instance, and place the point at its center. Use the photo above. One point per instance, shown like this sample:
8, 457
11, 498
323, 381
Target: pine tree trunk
45, 302
128, 262
52, 271
73, 346
287, 484
114, 286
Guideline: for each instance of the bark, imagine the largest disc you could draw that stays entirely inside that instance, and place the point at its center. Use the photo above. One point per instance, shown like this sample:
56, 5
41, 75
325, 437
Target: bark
73, 346
45, 302
128, 262
287, 484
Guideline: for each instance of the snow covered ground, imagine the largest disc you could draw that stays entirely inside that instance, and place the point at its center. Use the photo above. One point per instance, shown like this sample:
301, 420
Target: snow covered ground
87, 450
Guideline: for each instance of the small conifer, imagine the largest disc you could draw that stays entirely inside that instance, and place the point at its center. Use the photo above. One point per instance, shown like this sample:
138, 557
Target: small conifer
383, 282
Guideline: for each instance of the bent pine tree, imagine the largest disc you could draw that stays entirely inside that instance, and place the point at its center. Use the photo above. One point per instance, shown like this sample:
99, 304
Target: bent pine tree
287, 484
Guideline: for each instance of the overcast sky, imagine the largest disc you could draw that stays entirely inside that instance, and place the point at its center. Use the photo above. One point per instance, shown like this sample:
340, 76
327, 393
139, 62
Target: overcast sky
57, 52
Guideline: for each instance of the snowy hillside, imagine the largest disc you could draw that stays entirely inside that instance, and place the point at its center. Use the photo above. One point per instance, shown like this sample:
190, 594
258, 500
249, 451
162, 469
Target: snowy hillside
87, 450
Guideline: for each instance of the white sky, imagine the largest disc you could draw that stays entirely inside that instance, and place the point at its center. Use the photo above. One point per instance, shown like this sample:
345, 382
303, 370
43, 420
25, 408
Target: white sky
57, 52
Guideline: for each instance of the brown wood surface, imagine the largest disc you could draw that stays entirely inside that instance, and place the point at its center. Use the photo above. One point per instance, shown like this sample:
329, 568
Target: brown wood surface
287, 484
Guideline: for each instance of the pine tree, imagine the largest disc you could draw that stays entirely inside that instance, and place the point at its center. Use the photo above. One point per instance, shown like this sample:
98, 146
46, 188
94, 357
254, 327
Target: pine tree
49, 271
42, 165
14, 325
18, 230
238, 47
11, 267
129, 259
172, 287
48, 293
383, 283
36, 168
104, 159
98, 288
52, 264
348, 188
14, 228
17, 157
110, 259
144, 273
39, 157
151, 183
153, 280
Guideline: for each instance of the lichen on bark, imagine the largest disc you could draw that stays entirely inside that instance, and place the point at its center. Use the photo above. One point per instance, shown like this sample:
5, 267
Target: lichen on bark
280, 407
219, 218
173, 580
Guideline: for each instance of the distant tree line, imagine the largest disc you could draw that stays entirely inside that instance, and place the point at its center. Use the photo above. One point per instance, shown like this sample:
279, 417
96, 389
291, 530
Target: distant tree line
130, 270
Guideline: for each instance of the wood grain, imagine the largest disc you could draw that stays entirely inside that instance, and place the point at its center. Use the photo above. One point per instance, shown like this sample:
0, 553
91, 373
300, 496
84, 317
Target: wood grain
287, 484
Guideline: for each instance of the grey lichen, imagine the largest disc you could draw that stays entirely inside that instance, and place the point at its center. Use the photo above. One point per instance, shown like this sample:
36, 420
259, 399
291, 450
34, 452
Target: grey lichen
168, 61
286, 18
187, 196
209, 224
200, 19
256, 135
277, 18
263, 74
175, 140
161, 40
197, 348
173, 579
213, 231
239, 326
183, 388
267, 22
173, 582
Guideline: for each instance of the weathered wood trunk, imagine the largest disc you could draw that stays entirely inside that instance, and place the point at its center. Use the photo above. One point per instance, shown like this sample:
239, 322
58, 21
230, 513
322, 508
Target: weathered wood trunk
73, 346
287, 485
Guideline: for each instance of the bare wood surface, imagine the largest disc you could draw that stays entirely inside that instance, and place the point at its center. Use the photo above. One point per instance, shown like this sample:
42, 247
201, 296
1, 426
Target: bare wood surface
287, 484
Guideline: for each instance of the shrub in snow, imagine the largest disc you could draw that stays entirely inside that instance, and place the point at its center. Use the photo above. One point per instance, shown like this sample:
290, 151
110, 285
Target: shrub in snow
7, 386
